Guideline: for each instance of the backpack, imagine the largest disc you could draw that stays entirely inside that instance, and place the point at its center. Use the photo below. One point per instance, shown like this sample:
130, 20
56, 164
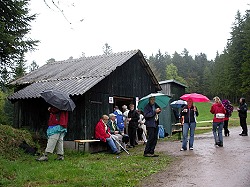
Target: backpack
161, 132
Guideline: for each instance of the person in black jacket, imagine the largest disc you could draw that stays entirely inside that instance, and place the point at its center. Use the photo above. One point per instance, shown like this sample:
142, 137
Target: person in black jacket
133, 118
242, 110
189, 114
151, 114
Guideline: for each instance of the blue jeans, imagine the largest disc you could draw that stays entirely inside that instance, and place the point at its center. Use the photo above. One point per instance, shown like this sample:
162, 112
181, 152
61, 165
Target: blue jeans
186, 127
111, 144
219, 126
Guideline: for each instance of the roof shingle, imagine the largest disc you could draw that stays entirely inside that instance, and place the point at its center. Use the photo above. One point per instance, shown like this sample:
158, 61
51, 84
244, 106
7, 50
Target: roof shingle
73, 77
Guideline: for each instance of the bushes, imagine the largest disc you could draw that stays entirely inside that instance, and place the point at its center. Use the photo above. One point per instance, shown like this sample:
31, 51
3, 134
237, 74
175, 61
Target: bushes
10, 139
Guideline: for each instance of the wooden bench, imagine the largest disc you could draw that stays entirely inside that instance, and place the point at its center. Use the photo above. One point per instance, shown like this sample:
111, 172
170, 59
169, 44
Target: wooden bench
177, 128
82, 143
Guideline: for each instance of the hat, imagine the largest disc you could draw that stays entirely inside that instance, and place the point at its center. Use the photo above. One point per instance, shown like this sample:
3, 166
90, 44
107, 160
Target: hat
112, 115
124, 107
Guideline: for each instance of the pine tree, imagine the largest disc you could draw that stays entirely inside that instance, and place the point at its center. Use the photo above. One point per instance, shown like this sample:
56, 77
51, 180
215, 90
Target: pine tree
246, 57
33, 66
107, 49
14, 26
20, 68
235, 50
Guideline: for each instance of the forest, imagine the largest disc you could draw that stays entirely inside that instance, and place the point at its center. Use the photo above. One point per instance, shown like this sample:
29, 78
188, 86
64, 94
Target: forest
227, 76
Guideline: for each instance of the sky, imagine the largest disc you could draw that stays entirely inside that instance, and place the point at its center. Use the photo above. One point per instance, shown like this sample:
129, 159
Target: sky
149, 25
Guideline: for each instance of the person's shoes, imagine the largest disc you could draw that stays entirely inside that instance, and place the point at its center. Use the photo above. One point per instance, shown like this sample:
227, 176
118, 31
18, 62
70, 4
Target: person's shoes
149, 155
220, 144
191, 148
60, 157
43, 158
244, 134
240, 134
117, 152
217, 143
144, 143
183, 149
154, 155
130, 146
136, 143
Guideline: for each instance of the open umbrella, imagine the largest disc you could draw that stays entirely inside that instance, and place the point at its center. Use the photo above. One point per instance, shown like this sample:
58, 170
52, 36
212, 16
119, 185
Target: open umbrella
195, 97
161, 99
58, 99
178, 103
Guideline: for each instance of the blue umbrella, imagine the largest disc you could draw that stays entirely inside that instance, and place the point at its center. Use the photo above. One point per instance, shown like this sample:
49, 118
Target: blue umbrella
178, 103
161, 99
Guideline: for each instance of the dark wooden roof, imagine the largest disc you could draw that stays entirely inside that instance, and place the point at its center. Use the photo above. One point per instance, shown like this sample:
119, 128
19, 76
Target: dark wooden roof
76, 76
172, 81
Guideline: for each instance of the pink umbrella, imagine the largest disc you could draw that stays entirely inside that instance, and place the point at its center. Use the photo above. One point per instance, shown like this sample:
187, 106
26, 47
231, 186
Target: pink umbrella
195, 97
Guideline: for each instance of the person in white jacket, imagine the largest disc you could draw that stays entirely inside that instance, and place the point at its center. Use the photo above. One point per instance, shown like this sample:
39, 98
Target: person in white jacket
125, 117
142, 126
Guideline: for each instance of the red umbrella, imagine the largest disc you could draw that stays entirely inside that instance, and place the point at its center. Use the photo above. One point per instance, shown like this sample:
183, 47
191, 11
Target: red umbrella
195, 97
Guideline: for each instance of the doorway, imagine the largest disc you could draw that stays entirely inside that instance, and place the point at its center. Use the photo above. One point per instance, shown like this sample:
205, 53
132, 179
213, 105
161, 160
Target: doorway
120, 101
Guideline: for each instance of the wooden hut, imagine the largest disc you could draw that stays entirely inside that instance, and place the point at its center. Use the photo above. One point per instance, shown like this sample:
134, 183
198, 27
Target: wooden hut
95, 84
174, 89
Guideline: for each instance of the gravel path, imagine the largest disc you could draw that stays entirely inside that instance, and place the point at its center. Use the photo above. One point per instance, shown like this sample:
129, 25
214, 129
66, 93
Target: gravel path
207, 165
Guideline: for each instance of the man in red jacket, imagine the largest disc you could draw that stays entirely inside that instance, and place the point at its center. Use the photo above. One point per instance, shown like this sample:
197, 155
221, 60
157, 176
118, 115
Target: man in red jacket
218, 121
102, 132
57, 128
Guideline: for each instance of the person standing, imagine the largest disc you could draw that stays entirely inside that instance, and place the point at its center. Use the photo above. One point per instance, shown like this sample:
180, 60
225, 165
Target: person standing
125, 117
142, 126
119, 119
189, 114
218, 121
242, 110
57, 128
229, 109
133, 118
151, 114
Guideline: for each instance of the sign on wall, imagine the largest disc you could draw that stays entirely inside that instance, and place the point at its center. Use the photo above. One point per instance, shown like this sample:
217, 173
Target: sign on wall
111, 100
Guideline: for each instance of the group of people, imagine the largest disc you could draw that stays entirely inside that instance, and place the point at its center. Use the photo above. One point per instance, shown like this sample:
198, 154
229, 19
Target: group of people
221, 110
119, 128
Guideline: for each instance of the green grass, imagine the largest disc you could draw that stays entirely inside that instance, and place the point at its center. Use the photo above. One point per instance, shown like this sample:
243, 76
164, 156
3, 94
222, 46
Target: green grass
205, 115
78, 169
204, 111
81, 169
